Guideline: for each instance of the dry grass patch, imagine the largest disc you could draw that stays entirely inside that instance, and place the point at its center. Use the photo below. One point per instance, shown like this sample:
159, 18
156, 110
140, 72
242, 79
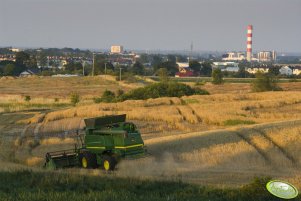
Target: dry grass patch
56, 140
34, 161
289, 139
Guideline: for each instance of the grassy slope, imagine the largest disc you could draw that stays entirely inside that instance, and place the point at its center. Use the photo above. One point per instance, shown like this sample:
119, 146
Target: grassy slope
30, 186
57, 87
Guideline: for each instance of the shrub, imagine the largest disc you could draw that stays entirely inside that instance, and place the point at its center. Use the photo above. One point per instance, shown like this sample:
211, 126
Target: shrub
74, 98
162, 89
217, 76
157, 90
56, 100
107, 97
120, 92
163, 75
27, 98
264, 82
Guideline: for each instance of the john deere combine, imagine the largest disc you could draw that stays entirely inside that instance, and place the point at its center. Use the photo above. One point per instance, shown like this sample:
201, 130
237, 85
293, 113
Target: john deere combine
106, 141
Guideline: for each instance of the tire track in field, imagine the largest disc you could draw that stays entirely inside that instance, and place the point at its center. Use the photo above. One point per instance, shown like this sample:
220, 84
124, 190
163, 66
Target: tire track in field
195, 114
277, 146
181, 114
199, 119
260, 151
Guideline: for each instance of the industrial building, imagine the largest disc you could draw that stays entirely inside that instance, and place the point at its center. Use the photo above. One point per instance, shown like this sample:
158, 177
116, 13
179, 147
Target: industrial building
116, 49
234, 56
226, 66
267, 56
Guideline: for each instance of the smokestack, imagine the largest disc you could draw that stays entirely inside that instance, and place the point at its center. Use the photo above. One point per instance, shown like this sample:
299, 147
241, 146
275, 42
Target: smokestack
249, 43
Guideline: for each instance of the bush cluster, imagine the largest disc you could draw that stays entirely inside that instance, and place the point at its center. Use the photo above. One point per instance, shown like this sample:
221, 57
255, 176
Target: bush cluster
74, 98
265, 82
156, 90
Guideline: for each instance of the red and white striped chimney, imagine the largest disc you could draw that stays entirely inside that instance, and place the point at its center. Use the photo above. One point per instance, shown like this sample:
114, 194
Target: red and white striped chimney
249, 43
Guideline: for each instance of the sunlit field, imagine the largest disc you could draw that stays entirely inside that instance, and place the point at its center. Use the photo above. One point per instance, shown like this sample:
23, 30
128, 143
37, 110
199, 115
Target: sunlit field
222, 139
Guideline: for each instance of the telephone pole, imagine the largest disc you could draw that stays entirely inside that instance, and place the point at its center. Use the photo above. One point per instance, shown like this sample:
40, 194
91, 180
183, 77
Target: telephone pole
93, 64
120, 74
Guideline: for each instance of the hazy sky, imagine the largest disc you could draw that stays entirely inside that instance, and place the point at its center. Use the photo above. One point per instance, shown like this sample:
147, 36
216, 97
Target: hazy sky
151, 24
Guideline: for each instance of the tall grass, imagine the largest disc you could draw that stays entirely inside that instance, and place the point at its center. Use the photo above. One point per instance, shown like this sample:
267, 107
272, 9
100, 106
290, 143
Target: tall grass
13, 103
29, 186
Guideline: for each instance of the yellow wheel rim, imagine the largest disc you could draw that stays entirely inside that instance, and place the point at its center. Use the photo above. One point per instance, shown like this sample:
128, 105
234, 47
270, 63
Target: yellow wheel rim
106, 165
84, 162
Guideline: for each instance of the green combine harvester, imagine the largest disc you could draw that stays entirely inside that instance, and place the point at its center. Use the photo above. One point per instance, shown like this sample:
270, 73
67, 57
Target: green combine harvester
106, 141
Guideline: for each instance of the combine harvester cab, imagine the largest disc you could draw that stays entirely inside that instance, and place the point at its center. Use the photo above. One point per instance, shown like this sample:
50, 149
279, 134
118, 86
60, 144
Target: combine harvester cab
107, 140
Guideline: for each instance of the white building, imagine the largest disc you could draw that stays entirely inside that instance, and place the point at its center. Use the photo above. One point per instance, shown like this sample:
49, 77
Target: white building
29, 72
266, 56
234, 56
297, 70
226, 66
183, 64
116, 49
15, 49
285, 70
254, 70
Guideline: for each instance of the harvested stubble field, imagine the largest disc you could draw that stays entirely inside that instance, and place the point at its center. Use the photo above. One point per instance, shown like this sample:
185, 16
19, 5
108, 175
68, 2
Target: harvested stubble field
176, 132
186, 114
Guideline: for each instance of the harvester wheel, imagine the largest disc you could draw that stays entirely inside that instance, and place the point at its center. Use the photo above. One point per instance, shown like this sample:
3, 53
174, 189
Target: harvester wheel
108, 163
88, 160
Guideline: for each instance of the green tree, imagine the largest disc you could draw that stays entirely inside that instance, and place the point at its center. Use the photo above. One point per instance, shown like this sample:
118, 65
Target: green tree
206, 69
171, 58
274, 70
22, 58
144, 58
32, 62
264, 82
163, 75
217, 76
138, 68
9, 70
156, 60
195, 66
181, 58
73, 66
170, 66
42, 59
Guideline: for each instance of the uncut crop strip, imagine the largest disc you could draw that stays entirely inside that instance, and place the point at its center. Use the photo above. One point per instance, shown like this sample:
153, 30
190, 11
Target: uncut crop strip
180, 113
277, 146
254, 145
194, 113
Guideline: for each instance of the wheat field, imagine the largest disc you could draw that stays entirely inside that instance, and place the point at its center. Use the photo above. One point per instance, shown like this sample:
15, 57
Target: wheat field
219, 139
186, 114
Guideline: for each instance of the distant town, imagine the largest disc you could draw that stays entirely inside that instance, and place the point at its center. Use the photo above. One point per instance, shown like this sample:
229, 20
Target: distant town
76, 62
